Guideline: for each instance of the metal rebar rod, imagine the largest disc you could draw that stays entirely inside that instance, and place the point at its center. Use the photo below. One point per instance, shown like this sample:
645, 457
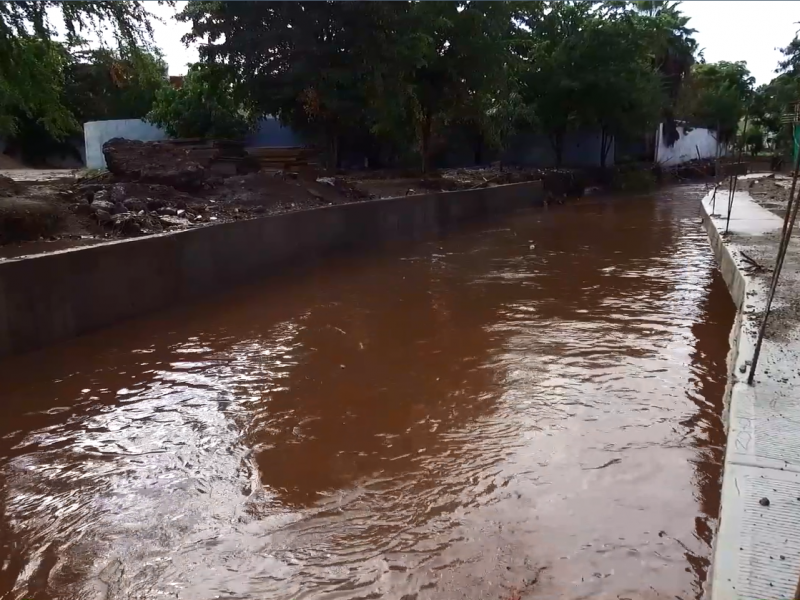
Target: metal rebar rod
736, 177
786, 235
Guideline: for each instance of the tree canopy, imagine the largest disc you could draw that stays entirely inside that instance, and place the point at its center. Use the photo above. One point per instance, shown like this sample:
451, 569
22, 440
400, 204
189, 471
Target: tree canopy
404, 72
202, 107
717, 96
33, 63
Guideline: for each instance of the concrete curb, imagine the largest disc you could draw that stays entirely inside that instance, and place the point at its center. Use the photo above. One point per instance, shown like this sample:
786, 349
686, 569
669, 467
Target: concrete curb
757, 547
53, 297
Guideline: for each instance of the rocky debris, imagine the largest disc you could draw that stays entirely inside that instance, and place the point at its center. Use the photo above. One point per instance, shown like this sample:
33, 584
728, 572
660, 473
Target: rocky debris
154, 162
170, 221
8, 187
565, 183
126, 224
100, 195
81, 208
102, 216
100, 204
134, 205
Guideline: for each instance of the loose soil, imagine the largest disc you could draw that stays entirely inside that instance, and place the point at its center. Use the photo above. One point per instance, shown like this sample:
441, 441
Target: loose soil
43, 211
760, 251
771, 191
82, 210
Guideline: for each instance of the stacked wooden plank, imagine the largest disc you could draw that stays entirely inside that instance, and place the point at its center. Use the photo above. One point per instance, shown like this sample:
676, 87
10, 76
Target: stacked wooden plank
281, 157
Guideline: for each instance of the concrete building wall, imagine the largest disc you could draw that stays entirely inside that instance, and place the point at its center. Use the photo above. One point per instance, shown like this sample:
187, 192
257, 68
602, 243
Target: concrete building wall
581, 149
53, 297
97, 133
686, 147
270, 132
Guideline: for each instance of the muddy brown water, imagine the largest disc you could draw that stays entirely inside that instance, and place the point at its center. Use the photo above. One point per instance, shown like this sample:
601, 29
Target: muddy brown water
464, 417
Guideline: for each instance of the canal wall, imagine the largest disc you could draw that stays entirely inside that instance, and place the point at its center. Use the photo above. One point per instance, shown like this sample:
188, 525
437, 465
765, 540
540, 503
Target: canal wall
757, 545
53, 297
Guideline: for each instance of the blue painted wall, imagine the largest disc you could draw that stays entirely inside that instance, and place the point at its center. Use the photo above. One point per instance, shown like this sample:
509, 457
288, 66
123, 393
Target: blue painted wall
581, 149
271, 133
96, 133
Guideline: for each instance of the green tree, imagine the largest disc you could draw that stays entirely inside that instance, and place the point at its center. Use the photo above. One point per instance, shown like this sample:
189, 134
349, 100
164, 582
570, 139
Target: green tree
203, 107
551, 86
458, 68
110, 83
717, 96
314, 65
624, 91
32, 64
770, 103
753, 138
671, 45
589, 68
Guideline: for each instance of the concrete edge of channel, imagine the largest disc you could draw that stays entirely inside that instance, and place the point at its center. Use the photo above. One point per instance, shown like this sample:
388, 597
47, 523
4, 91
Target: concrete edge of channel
52, 297
748, 553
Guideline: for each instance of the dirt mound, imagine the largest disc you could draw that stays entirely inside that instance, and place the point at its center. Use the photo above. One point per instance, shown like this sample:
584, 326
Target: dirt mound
6, 162
8, 187
278, 190
154, 162
28, 219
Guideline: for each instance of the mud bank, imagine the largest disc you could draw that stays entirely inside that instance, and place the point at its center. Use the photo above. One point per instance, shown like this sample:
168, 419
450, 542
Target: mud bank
47, 298
757, 549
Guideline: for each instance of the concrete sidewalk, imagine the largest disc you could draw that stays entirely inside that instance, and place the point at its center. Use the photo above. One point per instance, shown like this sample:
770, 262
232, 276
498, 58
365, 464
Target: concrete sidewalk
757, 549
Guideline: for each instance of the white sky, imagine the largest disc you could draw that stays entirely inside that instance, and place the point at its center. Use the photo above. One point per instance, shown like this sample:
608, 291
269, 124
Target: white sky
744, 30
749, 30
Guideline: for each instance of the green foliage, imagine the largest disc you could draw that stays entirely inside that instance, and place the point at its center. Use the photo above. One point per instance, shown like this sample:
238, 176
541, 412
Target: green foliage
791, 62
112, 84
671, 45
402, 73
399, 70
590, 70
31, 83
32, 65
770, 103
314, 65
717, 96
753, 138
459, 61
203, 107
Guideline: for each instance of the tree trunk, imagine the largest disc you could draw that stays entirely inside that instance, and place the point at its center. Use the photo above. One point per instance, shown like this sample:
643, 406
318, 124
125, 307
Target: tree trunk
605, 146
479, 149
557, 142
335, 150
425, 142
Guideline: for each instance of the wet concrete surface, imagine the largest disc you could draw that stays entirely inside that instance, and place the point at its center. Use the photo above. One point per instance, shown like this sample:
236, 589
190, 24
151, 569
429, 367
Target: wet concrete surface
524, 408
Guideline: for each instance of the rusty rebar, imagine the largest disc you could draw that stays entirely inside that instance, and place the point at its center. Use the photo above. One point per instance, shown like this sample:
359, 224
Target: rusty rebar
786, 235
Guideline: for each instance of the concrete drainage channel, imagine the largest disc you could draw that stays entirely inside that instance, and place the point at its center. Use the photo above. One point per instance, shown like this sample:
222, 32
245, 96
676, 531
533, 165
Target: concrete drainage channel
757, 549
48, 298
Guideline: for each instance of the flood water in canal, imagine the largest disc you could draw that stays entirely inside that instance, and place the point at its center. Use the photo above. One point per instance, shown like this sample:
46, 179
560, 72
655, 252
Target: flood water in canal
524, 408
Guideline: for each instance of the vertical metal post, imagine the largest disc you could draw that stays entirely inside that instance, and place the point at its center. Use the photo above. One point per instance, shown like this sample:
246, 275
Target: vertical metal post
736, 177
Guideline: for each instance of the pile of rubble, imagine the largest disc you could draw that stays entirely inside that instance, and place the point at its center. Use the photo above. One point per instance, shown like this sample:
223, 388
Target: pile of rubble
155, 186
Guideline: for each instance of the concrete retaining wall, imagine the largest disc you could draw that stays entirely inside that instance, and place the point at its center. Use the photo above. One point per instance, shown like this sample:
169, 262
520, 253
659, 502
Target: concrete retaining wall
47, 298
756, 548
